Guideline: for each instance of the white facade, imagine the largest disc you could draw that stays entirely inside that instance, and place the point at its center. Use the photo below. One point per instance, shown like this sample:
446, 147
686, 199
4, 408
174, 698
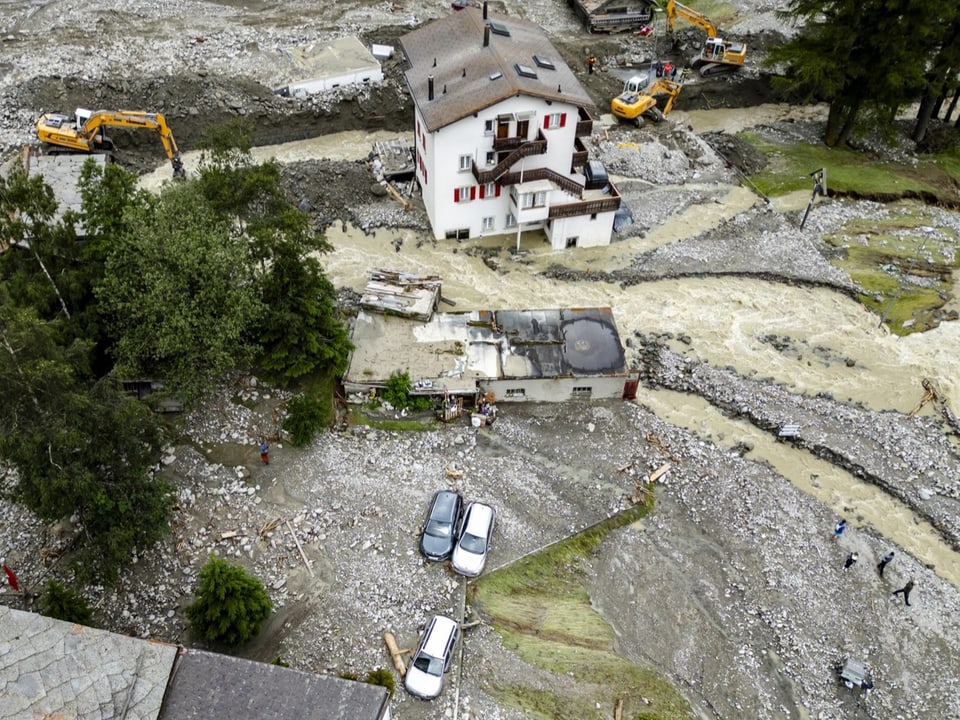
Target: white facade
460, 206
499, 121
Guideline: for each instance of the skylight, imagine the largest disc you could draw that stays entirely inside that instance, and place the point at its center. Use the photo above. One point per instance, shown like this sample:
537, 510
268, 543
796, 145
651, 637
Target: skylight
496, 75
499, 28
544, 62
525, 71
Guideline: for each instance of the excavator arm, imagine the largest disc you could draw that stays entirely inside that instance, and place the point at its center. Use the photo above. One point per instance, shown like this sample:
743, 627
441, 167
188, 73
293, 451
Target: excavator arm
85, 132
675, 10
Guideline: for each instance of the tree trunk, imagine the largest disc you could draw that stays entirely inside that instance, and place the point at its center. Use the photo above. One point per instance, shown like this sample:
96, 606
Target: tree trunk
835, 118
927, 110
953, 105
849, 123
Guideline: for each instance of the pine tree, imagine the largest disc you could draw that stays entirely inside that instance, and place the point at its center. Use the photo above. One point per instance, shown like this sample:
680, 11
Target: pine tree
231, 604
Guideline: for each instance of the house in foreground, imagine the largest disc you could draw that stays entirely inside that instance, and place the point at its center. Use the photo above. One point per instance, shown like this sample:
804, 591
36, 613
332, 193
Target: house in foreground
548, 355
55, 669
499, 123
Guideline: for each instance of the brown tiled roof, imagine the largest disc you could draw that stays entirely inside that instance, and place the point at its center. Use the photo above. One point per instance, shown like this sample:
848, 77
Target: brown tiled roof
451, 50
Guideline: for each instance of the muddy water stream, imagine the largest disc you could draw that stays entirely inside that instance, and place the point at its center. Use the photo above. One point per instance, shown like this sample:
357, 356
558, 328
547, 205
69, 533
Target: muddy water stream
839, 347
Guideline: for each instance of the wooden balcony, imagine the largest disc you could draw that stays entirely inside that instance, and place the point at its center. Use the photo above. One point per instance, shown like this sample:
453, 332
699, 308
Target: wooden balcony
610, 203
580, 154
507, 143
563, 182
584, 124
526, 149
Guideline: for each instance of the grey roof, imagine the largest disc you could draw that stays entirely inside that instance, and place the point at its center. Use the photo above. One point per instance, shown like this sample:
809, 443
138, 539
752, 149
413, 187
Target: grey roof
51, 668
455, 42
208, 686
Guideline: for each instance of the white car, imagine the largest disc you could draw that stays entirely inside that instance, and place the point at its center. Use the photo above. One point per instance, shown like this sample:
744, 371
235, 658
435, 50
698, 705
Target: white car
470, 553
433, 657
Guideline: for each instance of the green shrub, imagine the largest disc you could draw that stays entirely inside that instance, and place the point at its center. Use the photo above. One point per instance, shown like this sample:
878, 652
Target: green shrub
306, 416
231, 604
397, 393
62, 603
381, 677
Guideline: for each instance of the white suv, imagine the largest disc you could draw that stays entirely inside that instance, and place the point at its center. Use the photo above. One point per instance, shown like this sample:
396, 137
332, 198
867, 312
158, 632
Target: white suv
432, 658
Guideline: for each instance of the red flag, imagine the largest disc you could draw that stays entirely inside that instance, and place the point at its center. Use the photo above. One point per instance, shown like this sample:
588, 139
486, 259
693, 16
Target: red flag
11, 578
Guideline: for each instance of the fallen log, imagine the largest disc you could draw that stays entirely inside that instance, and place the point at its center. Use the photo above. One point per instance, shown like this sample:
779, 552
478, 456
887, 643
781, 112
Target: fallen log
618, 713
396, 654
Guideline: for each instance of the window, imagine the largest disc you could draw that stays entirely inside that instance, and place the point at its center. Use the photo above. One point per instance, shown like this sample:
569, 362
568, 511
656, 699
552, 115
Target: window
554, 120
516, 393
491, 158
488, 223
499, 28
488, 127
525, 71
465, 162
511, 220
572, 241
544, 62
581, 392
532, 200
464, 194
490, 190
461, 234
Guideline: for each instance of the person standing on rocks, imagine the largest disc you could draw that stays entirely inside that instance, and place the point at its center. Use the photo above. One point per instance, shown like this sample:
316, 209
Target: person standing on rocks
838, 530
264, 453
851, 559
884, 562
591, 62
905, 590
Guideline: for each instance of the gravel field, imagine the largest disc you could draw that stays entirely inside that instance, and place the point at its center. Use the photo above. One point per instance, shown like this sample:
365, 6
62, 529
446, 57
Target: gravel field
731, 586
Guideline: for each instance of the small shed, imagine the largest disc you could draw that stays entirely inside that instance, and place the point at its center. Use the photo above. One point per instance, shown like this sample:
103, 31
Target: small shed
613, 15
317, 67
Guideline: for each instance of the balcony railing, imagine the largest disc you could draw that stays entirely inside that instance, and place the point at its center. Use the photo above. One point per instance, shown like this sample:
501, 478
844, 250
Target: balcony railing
611, 203
584, 124
507, 143
580, 154
563, 182
531, 147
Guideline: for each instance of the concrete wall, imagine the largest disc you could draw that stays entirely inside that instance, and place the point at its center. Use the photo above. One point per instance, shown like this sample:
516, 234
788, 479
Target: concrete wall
588, 232
555, 389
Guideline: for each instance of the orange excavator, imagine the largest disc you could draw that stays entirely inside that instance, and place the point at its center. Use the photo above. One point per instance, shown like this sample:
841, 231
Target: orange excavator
84, 131
717, 55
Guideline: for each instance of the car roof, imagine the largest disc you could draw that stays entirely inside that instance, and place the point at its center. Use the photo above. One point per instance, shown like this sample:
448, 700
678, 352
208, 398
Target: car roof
479, 517
445, 499
439, 631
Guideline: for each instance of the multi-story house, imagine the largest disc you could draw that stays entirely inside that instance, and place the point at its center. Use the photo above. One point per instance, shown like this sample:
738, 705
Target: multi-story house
499, 127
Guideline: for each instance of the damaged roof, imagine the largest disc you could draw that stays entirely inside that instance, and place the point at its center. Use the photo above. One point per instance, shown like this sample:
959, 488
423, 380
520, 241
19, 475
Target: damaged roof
470, 76
454, 350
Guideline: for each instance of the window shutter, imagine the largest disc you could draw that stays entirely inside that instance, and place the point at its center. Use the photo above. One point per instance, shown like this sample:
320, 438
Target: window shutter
498, 190
563, 119
456, 194
482, 191
473, 192
546, 121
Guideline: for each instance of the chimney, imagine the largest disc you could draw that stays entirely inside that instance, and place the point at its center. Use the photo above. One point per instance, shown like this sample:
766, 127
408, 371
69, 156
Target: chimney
430, 87
486, 35
484, 9
444, 89
434, 62
558, 89
464, 73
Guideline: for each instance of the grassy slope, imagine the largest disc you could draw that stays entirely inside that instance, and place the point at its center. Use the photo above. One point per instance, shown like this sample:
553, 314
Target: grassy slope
542, 611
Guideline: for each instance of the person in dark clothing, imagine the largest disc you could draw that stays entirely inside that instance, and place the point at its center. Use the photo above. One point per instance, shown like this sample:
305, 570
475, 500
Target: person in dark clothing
905, 590
851, 559
884, 562
591, 61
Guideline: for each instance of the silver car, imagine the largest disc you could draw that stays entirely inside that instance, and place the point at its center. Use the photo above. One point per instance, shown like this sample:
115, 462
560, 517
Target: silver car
433, 657
470, 553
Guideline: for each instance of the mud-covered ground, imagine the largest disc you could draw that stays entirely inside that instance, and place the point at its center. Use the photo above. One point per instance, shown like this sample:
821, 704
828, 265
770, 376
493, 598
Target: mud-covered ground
732, 586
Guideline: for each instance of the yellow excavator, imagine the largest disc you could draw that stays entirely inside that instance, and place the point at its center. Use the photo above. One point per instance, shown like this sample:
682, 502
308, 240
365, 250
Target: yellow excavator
84, 131
717, 55
640, 99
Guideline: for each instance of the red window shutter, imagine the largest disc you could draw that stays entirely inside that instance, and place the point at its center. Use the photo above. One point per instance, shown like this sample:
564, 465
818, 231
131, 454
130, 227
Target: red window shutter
546, 121
498, 190
563, 119
483, 191
473, 192
456, 194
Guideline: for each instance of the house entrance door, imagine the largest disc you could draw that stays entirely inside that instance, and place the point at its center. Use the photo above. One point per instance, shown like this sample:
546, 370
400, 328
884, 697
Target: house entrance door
523, 127
503, 128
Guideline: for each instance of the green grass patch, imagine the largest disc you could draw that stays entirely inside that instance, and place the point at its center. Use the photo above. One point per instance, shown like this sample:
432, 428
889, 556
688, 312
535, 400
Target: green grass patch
905, 271
540, 607
359, 417
848, 171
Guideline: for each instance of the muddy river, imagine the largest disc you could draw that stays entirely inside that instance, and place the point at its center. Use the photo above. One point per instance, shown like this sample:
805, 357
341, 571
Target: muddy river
724, 318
